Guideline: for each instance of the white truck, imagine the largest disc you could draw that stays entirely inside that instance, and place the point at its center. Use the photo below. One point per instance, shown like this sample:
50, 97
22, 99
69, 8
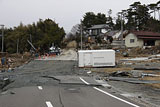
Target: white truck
96, 58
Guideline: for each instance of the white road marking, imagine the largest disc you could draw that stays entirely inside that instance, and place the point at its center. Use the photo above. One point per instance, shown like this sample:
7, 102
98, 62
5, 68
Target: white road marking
49, 104
84, 81
116, 97
40, 88
110, 94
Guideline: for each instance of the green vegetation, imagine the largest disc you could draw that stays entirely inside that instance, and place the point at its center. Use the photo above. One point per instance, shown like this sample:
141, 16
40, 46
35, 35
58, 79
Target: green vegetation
137, 17
91, 19
42, 34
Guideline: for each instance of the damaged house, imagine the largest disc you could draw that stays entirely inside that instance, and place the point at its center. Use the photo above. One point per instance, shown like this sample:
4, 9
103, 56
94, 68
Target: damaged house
142, 38
98, 30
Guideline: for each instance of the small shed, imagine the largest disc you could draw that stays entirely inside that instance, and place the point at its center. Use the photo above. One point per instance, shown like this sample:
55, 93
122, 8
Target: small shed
96, 58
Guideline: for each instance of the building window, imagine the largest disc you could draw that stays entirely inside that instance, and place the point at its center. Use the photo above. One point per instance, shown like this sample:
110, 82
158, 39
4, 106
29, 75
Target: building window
94, 32
131, 40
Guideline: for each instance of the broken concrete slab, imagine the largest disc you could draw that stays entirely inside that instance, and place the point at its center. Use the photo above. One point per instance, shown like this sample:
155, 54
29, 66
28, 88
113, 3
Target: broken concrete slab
146, 68
133, 80
74, 80
4, 82
51, 77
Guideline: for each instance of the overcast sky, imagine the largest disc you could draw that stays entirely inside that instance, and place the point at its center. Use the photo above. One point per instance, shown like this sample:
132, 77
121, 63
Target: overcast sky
65, 12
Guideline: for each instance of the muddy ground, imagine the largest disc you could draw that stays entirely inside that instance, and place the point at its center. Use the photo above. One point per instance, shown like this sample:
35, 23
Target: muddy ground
35, 73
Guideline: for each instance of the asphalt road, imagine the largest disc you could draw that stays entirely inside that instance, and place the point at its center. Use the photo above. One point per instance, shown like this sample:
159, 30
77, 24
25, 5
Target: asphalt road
60, 85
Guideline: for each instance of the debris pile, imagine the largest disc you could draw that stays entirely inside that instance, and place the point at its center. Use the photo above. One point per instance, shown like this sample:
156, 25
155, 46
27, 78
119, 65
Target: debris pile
10, 61
132, 77
144, 51
4, 82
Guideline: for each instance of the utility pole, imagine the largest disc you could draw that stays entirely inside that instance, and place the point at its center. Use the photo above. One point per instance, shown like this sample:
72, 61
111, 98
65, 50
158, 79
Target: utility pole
31, 38
2, 37
17, 45
81, 34
121, 28
31, 42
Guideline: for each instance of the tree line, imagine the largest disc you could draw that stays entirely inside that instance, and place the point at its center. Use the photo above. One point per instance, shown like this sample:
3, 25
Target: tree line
137, 17
41, 34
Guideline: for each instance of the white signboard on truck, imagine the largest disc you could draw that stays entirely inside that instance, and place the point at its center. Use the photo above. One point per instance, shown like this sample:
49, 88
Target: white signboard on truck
96, 58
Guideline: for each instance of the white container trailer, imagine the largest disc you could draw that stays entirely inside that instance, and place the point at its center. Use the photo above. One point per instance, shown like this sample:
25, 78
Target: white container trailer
96, 58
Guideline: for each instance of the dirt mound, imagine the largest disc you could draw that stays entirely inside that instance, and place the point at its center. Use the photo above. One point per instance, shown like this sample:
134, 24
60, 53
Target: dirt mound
72, 44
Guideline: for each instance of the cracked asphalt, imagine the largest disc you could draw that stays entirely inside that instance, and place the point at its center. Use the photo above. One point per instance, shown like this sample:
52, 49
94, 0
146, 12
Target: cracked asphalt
57, 84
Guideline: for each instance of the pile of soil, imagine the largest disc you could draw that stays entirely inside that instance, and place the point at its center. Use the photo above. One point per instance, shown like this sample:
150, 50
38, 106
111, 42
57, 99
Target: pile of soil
72, 44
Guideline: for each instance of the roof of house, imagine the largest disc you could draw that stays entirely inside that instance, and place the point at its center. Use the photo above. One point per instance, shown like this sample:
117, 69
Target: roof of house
100, 26
111, 33
146, 34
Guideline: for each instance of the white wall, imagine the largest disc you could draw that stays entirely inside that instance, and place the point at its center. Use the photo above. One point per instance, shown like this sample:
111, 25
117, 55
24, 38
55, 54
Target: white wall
157, 42
137, 42
96, 58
